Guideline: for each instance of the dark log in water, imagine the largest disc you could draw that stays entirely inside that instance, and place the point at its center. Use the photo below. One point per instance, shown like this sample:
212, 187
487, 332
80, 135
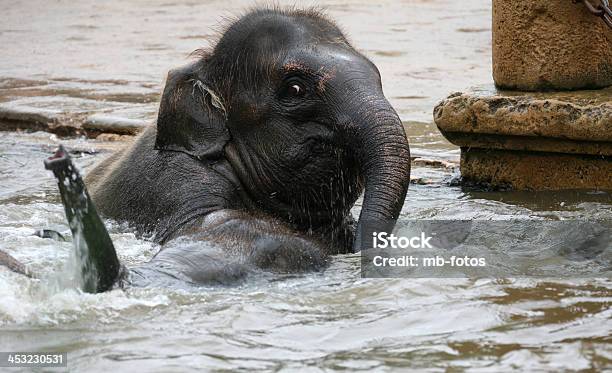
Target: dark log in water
95, 253
13, 264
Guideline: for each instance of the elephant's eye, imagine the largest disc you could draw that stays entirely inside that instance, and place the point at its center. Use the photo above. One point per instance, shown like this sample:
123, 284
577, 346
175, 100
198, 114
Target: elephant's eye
295, 90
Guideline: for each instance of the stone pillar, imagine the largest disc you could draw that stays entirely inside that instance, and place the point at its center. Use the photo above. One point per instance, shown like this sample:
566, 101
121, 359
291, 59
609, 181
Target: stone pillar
538, 141
549, 45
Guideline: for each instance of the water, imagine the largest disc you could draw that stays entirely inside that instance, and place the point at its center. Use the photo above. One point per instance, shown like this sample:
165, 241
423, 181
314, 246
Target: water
111, 57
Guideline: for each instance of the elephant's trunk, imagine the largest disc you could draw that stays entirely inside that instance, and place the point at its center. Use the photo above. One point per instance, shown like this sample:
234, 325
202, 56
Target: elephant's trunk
384, 157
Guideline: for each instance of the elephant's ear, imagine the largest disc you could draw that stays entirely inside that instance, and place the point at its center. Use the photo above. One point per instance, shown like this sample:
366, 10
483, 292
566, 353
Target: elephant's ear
192, 117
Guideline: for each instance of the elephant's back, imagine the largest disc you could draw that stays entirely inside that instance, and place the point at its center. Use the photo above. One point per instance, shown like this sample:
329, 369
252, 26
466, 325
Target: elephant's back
113, 178
157, 191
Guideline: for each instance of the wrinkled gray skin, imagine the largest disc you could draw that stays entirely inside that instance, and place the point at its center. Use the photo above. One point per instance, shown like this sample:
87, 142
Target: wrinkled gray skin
260, 149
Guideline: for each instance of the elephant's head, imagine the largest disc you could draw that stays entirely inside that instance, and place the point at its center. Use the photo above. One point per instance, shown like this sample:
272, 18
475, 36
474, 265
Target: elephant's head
300, 115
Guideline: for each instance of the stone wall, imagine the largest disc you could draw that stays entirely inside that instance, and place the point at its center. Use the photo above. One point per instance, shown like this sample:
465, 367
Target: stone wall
549, 45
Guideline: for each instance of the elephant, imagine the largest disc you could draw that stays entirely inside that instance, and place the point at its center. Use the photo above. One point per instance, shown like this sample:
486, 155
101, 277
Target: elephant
261, 147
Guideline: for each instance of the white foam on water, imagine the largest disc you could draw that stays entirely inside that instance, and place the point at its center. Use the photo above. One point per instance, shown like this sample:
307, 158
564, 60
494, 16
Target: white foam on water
36, 302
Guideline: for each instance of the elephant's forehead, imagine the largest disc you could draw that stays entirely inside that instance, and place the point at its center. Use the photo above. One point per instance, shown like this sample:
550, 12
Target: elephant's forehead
275, 36
323, 57
279, 32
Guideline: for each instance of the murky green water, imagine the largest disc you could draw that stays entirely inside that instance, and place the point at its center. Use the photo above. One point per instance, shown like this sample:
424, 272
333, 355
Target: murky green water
111, 57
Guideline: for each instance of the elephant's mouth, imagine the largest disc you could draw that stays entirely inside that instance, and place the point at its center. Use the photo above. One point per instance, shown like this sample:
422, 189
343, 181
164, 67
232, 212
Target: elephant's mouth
320, 140
318, 188
313, 152
315, 143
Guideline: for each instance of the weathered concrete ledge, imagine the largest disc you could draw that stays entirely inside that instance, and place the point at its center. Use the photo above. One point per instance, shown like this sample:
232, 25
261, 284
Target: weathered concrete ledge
101, 123
20, 117
531, 141
27, 118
